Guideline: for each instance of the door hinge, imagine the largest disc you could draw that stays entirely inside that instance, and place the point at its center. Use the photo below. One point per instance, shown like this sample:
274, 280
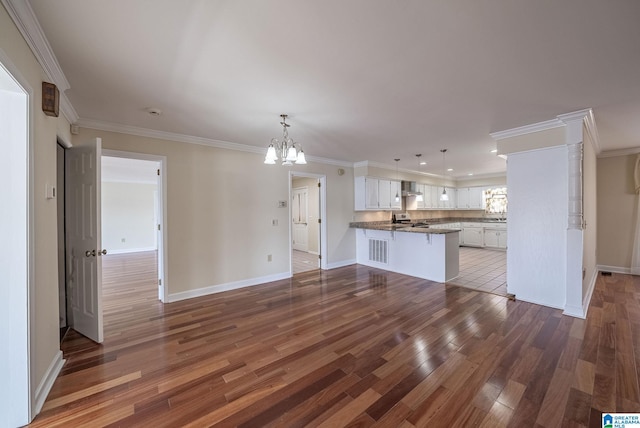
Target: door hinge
319, 257
158, 226
158, 171
319, 220
159, 281
318, 184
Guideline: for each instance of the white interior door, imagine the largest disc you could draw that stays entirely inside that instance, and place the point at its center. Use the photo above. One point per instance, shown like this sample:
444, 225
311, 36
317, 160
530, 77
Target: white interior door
83, 238
299, 215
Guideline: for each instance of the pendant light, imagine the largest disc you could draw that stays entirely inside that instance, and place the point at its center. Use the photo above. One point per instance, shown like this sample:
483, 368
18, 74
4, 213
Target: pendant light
419, 197
443, 196
397, 195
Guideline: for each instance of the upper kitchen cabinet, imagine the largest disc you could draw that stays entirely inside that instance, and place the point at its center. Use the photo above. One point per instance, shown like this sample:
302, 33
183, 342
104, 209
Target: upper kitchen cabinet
450, 201
377, 194
470, 198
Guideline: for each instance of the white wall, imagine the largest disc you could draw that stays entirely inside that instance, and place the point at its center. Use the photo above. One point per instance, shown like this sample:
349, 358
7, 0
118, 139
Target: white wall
128, 213
538, 212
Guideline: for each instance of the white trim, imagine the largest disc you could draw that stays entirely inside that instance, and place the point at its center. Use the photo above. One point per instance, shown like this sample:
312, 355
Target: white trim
619, 152
537, 302
45, 385
453, 178
25, 19
315, 253
614, 269
592, 130
219, 288
527, 129
67, 109
132, 250
183, 138
581, 312
162, 200
323, 217
341, 263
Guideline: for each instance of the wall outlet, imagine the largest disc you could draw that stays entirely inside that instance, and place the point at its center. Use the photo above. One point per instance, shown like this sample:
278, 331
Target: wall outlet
269, 258
274, 222
123, 240
282, 204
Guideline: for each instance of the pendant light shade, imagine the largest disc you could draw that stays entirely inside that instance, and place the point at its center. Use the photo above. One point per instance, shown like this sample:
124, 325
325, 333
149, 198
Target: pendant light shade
397, 194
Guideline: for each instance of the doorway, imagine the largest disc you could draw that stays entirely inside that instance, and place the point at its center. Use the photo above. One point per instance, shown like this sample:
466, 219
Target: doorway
16, 253
133, 209
306, 226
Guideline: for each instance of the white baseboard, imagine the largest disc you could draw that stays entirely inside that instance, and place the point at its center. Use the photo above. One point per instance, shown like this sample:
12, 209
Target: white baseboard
614, 269
132, 250
341, 263
219, 288
536, 301
46, 383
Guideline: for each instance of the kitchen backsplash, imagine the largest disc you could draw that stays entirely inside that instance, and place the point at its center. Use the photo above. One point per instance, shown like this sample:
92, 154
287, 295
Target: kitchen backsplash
361, 216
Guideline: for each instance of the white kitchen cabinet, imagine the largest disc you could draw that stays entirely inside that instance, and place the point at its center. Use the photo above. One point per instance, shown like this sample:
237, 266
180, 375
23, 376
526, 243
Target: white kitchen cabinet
495, 238
395, 189
371, 185
470, 198
376, 194
451, 202
473, 236
384, 194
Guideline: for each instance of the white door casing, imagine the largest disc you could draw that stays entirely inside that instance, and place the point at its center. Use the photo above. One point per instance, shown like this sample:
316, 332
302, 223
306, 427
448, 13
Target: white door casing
299, 215
84, 249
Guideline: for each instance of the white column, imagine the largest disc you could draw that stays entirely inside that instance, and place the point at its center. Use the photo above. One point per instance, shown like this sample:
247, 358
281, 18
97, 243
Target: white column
575, 247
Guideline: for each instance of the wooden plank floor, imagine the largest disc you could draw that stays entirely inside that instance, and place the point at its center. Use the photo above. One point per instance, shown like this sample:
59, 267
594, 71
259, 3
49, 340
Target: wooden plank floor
354, 346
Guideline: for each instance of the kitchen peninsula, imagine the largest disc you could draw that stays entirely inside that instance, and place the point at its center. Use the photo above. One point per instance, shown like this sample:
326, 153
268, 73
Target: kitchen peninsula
424, 252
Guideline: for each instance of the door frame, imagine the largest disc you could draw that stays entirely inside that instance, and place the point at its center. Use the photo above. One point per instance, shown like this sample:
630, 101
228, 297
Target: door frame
163, 247
19, 405
322, 179
306, 209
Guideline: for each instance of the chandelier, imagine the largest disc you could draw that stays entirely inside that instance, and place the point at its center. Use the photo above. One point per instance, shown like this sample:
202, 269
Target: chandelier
285, 150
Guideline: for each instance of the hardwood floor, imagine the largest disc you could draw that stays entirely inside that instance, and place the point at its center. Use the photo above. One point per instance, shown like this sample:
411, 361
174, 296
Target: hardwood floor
354, 346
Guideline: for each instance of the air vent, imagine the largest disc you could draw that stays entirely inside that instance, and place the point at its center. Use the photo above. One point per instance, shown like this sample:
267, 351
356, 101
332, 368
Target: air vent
378, 250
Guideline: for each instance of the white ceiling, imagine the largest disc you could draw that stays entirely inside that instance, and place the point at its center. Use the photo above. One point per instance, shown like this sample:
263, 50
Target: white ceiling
361, 79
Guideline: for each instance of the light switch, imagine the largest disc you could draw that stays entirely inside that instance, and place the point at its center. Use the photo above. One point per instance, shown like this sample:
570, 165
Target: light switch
50, 191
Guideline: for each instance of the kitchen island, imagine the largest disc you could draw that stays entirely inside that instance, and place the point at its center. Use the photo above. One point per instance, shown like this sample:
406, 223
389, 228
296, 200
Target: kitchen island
423, 252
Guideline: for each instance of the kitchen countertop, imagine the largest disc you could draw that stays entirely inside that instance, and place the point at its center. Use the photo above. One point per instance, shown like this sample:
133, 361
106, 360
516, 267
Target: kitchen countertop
401, 227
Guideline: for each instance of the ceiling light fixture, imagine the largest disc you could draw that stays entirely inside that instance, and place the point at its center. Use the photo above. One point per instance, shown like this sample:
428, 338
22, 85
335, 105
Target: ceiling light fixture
397, 195
285, 149
444, 196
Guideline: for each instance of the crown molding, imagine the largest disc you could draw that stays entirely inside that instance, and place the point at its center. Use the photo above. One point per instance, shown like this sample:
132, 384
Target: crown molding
67, 109
592, 130
619, 152
527, 129
182, 138
22, 15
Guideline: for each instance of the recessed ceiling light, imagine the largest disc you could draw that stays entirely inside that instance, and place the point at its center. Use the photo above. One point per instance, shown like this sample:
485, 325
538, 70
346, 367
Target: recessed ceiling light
423, 163
494, 151
450, 169
154, 111
471, 173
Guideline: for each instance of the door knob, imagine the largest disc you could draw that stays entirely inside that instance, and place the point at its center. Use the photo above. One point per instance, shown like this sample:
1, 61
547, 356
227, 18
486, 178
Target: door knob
102, 253
90, 253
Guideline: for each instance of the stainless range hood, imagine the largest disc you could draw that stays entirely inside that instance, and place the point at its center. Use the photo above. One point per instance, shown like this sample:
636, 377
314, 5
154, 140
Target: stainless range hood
409, 188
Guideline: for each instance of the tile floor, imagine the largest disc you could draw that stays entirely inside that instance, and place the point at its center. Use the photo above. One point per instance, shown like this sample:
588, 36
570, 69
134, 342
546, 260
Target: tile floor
303, 262
483, 270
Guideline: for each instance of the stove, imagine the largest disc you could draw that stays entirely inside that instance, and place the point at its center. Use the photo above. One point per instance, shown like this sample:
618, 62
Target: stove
402, 218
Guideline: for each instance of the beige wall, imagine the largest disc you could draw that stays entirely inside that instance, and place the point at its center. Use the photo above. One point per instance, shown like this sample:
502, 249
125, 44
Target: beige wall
44, 130
616, 210
220, 207
313, 199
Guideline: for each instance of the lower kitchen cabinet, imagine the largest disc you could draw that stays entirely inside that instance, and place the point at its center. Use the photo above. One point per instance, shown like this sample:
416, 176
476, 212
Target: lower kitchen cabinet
496, 238
473, 236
